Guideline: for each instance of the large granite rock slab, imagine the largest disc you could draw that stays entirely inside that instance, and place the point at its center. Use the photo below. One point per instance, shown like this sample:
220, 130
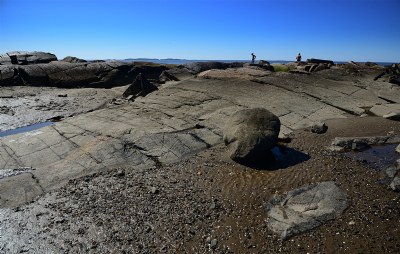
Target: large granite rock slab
250, 134
305, 208
25, 57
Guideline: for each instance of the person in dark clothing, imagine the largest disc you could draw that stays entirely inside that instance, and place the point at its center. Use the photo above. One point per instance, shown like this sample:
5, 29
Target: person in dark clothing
253, 57
298, 58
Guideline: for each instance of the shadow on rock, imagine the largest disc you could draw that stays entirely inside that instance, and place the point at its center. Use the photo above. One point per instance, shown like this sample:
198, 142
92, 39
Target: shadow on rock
280, 157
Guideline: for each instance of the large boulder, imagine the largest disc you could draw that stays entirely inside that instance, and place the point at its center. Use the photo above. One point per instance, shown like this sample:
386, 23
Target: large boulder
24, 57
305, 208
140, 87
250, 134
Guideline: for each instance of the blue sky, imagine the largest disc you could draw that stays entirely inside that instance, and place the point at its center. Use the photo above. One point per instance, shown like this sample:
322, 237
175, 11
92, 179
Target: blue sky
342, 30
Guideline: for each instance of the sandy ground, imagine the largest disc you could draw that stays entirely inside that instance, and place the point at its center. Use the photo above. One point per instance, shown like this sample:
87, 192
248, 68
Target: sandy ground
209, 204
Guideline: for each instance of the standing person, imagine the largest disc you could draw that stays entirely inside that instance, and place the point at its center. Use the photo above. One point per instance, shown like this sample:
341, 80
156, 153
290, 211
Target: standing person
298, 58
253, 57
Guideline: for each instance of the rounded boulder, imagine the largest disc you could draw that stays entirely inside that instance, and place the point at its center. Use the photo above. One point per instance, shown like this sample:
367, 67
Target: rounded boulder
250, 134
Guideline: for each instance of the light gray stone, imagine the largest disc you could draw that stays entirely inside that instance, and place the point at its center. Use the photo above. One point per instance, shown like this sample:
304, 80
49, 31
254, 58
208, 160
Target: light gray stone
395, 184
305, 208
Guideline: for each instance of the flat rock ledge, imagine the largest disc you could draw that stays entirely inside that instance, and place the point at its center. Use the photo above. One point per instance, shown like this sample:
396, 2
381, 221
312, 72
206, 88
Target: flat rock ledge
341, 144
305, 208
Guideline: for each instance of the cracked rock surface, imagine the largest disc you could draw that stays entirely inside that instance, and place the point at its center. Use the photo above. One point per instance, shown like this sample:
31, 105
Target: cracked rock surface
181, 119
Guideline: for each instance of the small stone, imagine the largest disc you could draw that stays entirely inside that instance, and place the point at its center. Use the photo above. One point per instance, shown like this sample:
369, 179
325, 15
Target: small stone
391, 172
154, 190
352, 223
395, 184
319, 128
398, 148
214, 243
120, 173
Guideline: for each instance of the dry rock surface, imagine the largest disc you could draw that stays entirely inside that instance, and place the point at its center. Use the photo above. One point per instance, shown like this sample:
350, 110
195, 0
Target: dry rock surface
157, 164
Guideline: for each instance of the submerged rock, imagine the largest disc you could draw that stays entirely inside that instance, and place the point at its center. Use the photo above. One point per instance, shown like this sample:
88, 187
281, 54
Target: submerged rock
306, 208
250, 134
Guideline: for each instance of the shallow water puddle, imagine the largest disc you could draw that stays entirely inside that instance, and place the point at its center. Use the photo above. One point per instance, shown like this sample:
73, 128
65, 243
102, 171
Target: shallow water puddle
14, 171
379, 157
25, 129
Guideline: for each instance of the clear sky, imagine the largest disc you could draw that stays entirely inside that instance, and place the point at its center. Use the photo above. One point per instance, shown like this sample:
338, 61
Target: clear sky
341, 30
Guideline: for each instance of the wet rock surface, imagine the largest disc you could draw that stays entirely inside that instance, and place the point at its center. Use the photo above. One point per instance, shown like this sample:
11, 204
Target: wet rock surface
206, 203
306, 208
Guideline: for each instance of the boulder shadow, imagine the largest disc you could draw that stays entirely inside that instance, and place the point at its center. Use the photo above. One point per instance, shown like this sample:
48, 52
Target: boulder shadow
280, 157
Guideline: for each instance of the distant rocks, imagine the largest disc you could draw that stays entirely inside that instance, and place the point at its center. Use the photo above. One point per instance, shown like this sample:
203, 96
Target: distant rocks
42, 69
25, 57
319, 61
72, 59
305, 208
197, 67
390, 74
140, 87
250, 134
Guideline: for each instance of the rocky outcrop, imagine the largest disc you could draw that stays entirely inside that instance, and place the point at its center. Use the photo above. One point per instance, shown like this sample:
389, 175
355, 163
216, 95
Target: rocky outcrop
140, 87
72, 59
166, 76
250, 134
305, 208
67, 75
197, 67
24, 57
319, 61
391, 74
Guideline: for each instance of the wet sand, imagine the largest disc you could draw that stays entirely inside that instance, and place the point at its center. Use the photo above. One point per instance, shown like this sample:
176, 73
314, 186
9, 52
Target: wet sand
209, 204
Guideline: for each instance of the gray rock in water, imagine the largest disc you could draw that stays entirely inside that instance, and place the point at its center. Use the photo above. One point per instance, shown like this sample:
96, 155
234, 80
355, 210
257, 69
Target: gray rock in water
398, 149
250, 134
395, 184
306, 208
140, 87
319, 128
